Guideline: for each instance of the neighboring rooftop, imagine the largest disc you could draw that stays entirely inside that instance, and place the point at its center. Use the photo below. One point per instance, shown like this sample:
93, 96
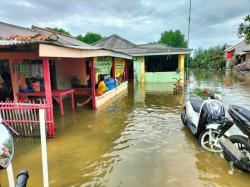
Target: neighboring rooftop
239, 48
118, 43
114, 42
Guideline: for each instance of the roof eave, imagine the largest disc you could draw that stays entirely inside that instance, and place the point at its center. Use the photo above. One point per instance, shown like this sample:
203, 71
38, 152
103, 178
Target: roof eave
161, 53
69, 52
232, 48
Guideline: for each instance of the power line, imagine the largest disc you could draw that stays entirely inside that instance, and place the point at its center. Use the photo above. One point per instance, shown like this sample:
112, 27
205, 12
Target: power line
189, 20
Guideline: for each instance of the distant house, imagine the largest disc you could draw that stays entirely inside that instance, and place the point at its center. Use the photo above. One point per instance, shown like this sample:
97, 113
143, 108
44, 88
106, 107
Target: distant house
151, 62
239, 55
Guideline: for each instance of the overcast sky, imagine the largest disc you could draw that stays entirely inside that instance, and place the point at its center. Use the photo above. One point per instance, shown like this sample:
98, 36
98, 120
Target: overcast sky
213, 22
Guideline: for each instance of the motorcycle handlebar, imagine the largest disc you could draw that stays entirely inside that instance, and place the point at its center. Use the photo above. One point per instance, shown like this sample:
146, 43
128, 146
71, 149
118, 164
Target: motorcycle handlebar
22, 178
212, 95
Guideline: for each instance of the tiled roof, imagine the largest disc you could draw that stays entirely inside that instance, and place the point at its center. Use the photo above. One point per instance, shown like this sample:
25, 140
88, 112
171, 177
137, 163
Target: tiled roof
39, 37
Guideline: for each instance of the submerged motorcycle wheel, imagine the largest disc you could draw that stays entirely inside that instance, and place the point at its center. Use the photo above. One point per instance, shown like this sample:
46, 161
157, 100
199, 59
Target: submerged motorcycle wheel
208, 139
241, 143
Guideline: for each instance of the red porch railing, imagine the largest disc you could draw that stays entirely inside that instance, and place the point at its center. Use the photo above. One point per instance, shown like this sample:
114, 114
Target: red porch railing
24, 117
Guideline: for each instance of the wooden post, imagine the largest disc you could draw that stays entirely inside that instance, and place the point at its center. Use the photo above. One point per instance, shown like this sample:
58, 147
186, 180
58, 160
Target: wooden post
126, 70
113, 67
92, 72
14, 78
48, 95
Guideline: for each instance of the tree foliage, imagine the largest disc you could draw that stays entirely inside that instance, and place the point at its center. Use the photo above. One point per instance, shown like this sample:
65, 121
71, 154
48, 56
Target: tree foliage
212, 57
89, 38
59, 30
244, 29
173, 38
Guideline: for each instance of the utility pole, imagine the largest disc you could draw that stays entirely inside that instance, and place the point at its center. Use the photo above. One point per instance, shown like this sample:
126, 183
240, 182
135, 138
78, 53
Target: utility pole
189, 20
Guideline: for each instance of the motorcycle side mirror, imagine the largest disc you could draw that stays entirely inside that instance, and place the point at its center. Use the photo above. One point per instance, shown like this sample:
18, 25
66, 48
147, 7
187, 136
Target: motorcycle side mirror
6, 146
206, 92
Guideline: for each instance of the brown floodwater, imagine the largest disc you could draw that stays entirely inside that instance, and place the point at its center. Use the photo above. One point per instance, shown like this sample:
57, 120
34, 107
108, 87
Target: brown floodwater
137, 141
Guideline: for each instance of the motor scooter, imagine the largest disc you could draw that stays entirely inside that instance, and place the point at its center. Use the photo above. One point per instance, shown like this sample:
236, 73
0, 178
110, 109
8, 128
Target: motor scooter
204, 118
236, 148
7, 154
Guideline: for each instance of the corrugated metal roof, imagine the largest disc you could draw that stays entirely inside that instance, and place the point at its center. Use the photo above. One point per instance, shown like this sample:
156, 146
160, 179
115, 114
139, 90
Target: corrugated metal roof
118, 43
65, 40
7, 30
5, 43
151, 51
154, 45
114, 42
15, 42
239, 47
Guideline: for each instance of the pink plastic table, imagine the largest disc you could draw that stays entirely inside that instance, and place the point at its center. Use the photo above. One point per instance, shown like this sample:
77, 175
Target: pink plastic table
56, 94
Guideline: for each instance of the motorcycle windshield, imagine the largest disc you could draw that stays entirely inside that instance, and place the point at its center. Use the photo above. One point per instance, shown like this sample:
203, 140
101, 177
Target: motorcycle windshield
215, 109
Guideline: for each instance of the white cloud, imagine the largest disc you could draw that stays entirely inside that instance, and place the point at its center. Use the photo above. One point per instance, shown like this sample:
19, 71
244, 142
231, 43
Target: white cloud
140, 21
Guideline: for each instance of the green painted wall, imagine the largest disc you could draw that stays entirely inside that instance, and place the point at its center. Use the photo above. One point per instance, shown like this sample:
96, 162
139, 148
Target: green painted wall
141, 76
161, 76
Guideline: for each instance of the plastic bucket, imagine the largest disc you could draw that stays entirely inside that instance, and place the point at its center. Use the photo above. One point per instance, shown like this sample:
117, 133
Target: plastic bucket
36, 86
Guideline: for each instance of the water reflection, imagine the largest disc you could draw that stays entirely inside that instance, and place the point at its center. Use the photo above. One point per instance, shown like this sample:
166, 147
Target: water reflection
137, 141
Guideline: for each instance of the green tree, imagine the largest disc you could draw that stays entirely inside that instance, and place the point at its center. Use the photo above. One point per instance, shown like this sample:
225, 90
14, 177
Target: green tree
59, 30
173, 38
212, 57
244, 29
89, 38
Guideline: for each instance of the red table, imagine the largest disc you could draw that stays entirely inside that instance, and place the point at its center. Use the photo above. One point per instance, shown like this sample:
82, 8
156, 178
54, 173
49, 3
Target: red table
56, 94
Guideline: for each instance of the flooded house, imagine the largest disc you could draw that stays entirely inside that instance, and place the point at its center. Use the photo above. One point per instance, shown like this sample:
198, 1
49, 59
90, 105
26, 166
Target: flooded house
238, 55
42, 64
154, 62
38, 63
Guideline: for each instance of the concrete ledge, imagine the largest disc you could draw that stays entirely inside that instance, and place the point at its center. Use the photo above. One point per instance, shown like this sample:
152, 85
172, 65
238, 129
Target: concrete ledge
111, 95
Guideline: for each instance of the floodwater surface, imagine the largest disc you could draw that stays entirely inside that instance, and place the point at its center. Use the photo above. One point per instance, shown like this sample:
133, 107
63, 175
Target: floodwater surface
137, 141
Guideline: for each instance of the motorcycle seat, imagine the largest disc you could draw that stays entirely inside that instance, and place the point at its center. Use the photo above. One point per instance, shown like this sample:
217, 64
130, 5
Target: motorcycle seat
196, 103
245, 113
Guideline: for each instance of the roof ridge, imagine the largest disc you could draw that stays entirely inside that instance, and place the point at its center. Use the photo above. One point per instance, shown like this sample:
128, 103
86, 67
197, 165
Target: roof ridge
51, 31
234, 46
124, 39
114, 35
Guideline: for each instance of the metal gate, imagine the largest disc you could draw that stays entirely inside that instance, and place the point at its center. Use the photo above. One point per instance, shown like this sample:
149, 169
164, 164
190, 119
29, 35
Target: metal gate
24, 117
